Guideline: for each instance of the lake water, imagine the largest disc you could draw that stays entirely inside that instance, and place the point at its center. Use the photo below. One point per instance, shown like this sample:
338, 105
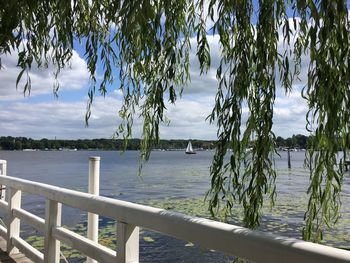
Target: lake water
168, 177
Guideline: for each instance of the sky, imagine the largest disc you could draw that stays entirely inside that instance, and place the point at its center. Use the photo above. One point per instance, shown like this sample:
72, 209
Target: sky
41, 115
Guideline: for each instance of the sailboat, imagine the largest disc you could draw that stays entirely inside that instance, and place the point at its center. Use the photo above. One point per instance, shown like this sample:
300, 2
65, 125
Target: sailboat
189, 149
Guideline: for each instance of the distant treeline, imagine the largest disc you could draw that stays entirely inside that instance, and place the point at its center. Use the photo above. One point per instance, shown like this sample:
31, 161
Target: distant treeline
21, 143
298, 141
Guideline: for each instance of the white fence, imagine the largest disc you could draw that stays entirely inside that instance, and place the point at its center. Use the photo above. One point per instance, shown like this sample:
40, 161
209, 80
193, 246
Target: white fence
252, 245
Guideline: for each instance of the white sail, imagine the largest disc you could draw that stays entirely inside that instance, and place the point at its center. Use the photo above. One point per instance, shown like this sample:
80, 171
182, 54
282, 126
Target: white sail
189, 148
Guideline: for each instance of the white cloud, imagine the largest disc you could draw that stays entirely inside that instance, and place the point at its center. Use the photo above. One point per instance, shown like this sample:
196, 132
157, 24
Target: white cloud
73, 77
188, 119
205, 84
59, 119
65, 119
289, 109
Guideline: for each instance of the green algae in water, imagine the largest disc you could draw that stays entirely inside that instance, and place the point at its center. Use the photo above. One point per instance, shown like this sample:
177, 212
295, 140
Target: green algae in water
286, 218
68, 252
107, 235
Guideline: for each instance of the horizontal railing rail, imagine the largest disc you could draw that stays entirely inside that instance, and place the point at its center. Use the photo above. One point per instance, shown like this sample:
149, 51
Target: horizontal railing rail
234, 240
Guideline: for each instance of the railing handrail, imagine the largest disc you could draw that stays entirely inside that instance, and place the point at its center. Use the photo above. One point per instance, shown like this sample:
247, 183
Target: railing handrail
252, 245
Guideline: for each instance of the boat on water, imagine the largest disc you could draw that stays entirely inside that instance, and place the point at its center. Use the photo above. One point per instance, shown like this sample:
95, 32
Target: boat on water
189, 149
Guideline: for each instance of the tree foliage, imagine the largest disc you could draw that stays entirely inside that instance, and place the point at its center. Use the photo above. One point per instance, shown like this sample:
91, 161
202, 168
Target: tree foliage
22, 143
10, 143
145, 44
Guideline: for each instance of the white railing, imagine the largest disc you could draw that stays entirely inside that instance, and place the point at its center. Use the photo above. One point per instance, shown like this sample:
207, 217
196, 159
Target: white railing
238, 241
3, 171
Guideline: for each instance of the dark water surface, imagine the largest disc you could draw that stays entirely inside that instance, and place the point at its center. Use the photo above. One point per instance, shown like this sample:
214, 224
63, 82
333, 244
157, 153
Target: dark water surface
168, 176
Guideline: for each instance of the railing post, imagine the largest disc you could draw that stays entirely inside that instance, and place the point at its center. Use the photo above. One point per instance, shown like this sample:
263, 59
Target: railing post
3, 171
13, 223
127, 243
94, 188
52, 219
